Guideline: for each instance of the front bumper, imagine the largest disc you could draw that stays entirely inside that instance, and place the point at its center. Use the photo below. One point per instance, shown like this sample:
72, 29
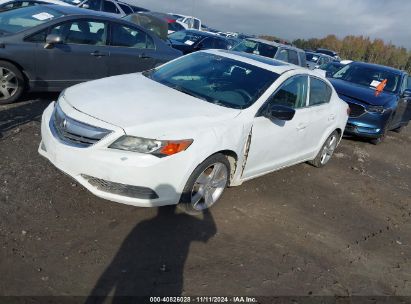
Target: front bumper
120, 176
370, 125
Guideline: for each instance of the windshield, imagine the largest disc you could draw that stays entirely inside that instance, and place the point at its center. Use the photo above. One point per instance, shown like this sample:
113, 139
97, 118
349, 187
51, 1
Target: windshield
215, 79
312, 57
368, 76
331, 67
17, 20
254, 47
188, 38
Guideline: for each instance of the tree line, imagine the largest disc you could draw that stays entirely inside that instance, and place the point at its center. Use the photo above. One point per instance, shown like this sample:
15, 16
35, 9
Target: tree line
359, 48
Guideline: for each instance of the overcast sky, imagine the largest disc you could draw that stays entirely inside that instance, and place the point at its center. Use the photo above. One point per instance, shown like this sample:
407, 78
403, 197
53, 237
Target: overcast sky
291, 19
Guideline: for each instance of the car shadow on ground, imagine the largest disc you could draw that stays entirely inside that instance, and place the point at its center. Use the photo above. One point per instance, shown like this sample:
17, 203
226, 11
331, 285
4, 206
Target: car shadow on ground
151, 259
29, 109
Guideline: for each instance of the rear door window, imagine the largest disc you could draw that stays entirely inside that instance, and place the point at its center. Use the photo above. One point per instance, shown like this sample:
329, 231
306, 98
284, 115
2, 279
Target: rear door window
320, 92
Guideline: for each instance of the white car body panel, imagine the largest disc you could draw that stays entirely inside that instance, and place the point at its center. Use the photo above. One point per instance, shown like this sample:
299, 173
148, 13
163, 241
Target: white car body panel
137, 106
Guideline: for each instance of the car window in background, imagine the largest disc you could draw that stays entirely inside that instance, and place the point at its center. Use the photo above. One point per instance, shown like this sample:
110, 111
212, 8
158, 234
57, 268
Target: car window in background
81, 32
196, 23
185, 37
331, 68
90, 4
282, 55
14, 21
312, 57
207, 43
302, 59
254, 47
215, 79
293, 93
125, 8
320, 92
293, 57
110, 7
175, 27
130, 37
368, 76
221, 44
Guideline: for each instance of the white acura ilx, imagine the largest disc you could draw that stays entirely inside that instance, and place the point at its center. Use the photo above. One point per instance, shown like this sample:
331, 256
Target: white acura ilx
183, 132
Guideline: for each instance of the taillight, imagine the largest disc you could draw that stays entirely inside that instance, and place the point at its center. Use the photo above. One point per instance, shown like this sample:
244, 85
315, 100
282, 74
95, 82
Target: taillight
348, 111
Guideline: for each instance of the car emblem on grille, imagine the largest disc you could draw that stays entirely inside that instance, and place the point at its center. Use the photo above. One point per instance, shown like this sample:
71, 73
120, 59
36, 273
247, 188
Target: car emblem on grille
64, 124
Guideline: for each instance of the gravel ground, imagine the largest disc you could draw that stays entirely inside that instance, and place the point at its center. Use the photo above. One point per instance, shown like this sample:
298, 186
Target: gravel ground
341, 230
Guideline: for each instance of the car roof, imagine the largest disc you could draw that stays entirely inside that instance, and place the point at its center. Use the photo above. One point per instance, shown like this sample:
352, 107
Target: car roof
74, 10
319, 54
202, 33
273, 43
273, 65
380, 67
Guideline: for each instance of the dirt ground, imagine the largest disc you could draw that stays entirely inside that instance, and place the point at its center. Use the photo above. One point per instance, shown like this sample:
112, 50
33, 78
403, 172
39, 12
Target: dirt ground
341, 230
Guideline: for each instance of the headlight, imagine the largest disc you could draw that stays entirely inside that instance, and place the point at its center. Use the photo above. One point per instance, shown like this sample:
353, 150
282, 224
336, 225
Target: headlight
376, 109
150, 146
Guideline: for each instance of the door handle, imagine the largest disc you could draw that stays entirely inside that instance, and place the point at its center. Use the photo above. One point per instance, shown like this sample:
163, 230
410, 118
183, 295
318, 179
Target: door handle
331, 117
301, 127
144, 56
98, 54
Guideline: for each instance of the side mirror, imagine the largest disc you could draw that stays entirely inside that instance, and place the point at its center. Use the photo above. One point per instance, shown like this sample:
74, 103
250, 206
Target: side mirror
52, 40
406, 93
280, 112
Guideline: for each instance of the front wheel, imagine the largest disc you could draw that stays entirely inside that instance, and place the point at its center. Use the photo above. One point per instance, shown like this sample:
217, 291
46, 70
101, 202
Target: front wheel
326, 151
11, 83
205, 185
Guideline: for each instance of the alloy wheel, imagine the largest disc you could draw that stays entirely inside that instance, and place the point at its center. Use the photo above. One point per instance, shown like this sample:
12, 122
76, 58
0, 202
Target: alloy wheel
328, 149
8, 83
209, 186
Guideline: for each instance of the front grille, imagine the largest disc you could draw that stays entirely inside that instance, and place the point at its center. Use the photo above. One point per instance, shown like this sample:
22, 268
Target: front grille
356, 109
74, 132
121, 189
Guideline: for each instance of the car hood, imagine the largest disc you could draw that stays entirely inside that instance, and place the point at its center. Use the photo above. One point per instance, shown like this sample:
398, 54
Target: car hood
140, 105
181, 46
360, 93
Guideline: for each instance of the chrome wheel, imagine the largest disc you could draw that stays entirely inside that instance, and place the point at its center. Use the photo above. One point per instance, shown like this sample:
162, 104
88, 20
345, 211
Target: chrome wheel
8, 83
328, 149
209, 186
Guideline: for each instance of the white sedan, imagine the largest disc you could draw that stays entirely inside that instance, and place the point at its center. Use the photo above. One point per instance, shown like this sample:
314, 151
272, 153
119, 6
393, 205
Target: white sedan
183, 132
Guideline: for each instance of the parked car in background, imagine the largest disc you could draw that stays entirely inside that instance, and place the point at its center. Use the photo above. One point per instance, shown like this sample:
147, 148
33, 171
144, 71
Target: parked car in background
189, 41
7, 4
331, 68
172, 23
329, 53
229, 118
109, 6
51, 47
314, 60
188, 22
273, 50
378, 96
151, 22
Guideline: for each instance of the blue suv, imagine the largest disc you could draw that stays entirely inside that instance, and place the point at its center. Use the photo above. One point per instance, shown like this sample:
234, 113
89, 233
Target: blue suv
378, 96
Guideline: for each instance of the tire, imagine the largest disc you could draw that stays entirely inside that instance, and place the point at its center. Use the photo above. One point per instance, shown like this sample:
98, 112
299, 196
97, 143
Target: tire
326, 151
202, 190
378, 140
398, 130
12, 83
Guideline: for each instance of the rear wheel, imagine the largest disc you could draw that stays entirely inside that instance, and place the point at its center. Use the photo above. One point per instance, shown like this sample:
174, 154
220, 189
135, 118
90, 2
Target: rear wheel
205, 185
12, 83
399, 129
326, 152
